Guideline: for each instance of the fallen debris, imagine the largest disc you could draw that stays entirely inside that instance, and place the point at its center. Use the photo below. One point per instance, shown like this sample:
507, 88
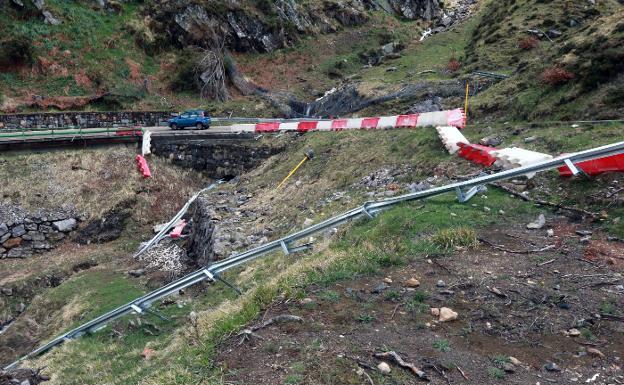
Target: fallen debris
399, 361
22, 377
538, 224
501, 248
250, 332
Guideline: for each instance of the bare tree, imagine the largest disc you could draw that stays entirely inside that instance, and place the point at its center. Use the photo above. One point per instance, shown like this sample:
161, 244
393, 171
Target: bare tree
210, 73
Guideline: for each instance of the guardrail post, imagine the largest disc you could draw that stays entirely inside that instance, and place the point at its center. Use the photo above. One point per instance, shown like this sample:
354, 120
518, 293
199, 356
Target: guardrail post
231, 286
136, 308
572, 167
464, 197
367, 212
284, 248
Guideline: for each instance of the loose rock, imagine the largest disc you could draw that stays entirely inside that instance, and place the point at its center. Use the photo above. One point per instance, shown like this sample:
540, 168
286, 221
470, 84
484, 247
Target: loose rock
384, 368
552, 367
538, 224
412, 282
447, 314
595, 352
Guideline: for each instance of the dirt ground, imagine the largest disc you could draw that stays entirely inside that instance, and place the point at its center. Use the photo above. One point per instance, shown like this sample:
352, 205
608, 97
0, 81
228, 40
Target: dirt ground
513, 305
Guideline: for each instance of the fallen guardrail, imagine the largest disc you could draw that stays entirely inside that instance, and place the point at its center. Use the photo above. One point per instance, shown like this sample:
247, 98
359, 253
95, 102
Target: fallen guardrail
464, 191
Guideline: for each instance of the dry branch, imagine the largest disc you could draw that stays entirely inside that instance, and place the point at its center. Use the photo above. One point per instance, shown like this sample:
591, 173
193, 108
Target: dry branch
543, 202
399, 361
501, 248
246, 334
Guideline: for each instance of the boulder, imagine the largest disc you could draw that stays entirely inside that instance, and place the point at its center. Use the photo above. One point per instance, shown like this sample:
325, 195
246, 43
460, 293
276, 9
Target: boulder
65, 226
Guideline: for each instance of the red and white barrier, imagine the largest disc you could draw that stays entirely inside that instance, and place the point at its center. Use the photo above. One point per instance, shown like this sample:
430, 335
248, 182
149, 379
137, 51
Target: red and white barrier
614, 163
143, 167
453, 118
477, 153
450, 137
146, 145
177, 230
513, 157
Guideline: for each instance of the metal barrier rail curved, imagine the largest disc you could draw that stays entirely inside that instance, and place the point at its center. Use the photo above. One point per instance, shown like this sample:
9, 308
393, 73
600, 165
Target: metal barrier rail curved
368, 209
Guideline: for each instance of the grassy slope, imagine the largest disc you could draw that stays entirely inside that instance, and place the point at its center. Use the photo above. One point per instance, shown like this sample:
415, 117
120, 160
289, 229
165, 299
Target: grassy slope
183, 351
581, 49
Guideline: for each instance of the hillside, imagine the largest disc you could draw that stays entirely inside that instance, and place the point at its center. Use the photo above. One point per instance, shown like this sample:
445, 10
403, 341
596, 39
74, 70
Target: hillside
273, 58
521, 284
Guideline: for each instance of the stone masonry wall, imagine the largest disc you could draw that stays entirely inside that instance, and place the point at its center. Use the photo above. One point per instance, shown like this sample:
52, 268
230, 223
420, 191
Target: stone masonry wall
23, 234
10, 122
217, 158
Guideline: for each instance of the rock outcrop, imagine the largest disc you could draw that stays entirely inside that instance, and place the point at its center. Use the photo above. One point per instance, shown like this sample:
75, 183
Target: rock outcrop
264, 26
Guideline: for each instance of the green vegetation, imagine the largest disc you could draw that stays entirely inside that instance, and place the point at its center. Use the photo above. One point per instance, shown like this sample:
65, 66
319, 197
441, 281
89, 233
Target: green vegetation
450, 239
365, 318
442, 345
501, 360
496, 373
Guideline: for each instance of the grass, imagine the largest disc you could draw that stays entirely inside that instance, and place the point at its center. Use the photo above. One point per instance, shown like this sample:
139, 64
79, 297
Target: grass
329, 295
496, 373
451, 239
501, 360
365, 318
442, 345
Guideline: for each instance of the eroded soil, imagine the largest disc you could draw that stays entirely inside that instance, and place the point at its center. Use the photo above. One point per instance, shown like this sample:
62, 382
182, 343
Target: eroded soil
539, 297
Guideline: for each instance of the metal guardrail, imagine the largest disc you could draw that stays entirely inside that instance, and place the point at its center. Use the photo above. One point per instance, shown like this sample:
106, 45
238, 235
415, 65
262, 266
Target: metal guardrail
368, 209
490, 74
70, 132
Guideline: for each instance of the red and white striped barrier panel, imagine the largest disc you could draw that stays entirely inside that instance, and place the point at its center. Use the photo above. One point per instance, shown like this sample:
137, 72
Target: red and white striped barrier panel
143, 167
455, 118
177, 230
614, 163
477, 153
513, 157
450, 137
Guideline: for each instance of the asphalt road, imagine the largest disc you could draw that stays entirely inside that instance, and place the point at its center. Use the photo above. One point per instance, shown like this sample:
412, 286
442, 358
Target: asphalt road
92, 133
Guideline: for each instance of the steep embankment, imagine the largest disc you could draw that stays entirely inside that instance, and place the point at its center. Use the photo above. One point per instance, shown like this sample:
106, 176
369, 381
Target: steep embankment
565, 59
349, 168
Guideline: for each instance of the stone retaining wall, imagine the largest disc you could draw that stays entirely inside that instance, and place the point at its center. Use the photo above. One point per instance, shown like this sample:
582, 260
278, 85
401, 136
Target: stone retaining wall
21, 238
9, 122
218, 158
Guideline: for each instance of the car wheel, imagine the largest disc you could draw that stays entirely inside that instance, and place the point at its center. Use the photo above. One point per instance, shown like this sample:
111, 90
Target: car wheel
174, 126
199, 126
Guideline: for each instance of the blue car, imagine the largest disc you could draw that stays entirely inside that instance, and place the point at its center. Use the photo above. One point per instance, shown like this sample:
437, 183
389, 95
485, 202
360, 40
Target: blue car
193, 118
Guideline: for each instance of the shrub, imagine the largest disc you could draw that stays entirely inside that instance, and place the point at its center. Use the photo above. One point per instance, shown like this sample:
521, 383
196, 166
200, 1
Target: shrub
453, 65
555, 76
528, 43
17, 51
